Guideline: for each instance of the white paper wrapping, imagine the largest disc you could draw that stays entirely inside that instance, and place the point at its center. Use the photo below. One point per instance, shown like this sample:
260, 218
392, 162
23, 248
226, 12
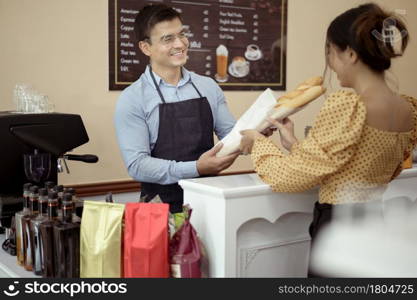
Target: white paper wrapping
254, 118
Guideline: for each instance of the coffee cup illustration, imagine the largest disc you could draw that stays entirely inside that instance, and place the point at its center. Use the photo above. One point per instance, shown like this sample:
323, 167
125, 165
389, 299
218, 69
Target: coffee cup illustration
221, 60
253, 52
239, 67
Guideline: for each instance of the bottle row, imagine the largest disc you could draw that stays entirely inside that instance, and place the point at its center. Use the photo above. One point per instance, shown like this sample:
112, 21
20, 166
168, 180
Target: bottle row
48, 231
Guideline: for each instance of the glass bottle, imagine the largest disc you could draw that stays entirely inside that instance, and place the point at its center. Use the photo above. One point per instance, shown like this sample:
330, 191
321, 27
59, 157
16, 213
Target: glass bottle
47, 236
67, 242
38, 264
27, 235
78, 203
68, 197
20, 246
60, 191
49, 185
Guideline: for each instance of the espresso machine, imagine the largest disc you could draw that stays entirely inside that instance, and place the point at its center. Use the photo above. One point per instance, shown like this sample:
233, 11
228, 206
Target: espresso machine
32, 149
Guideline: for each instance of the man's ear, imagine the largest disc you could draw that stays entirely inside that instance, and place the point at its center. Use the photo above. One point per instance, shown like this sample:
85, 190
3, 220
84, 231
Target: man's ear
144, 47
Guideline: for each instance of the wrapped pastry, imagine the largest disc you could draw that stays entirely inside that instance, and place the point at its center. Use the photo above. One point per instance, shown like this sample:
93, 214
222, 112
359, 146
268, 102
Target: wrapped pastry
295, 100
267, 106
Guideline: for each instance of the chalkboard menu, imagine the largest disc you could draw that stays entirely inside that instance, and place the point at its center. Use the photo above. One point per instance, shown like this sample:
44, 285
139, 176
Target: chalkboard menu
239, 43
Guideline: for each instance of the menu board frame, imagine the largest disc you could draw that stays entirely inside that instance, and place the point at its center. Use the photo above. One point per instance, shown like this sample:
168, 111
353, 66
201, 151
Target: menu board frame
118, 81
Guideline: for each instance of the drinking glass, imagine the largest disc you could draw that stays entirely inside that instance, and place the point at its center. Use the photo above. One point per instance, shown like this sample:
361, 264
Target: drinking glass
21, 93
37, 166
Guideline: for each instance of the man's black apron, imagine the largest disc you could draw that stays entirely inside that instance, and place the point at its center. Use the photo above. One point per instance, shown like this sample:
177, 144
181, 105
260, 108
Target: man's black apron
185, 132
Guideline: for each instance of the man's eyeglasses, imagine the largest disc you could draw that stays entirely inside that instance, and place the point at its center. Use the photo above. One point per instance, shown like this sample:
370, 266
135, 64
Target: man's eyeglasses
170, 38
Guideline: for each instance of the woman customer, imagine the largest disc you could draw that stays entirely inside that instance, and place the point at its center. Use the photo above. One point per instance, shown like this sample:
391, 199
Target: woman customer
360, 138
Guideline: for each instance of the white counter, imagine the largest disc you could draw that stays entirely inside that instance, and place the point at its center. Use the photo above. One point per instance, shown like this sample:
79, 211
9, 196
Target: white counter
250, 231
405, 185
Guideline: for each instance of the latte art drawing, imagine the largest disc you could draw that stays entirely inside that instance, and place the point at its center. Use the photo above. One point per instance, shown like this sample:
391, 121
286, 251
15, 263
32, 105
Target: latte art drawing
253, 52
239, 67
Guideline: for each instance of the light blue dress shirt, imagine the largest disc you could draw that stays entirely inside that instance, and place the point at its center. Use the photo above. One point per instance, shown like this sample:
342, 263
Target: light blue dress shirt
137, 123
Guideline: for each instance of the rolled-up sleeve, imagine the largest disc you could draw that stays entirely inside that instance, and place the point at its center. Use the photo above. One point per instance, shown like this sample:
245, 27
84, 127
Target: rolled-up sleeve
224, 120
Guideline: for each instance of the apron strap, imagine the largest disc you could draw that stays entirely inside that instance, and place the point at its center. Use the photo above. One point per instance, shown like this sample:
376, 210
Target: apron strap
159, 91
196, 89
156, 85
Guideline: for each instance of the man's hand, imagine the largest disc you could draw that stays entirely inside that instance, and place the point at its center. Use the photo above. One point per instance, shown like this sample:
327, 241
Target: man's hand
209, 164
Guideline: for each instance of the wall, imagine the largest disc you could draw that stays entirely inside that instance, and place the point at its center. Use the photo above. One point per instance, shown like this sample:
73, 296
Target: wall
61, 48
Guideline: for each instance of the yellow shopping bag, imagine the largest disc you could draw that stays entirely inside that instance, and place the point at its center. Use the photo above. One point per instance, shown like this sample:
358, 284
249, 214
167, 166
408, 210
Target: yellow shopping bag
101, 240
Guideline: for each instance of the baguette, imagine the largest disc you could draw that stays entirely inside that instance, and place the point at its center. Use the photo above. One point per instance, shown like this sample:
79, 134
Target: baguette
306, 92
295, 100
267, 106
301, 97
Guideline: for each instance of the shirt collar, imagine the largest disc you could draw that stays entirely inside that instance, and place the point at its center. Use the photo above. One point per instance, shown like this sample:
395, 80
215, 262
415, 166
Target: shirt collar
186, 77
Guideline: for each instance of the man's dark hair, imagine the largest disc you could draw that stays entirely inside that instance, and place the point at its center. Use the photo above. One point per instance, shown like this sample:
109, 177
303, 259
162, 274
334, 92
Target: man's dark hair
149, 16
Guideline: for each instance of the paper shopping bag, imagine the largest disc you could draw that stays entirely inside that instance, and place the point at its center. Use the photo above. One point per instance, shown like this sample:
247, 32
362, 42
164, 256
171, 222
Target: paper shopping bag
187, 256
101, 239
146, 240
251, 119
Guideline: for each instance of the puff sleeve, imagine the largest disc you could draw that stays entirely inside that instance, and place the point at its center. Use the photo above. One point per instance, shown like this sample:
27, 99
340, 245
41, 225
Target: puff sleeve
413, 139
328, 147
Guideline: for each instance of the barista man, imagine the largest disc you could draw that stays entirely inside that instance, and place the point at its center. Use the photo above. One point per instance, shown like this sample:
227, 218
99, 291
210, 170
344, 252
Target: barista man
166, 119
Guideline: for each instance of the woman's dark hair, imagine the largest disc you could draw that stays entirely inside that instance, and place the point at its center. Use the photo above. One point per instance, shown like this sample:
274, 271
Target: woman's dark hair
149, 16
362, 29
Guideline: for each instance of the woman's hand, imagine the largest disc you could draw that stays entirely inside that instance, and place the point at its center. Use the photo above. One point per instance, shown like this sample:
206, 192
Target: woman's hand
269, 131
248, 138
286, 132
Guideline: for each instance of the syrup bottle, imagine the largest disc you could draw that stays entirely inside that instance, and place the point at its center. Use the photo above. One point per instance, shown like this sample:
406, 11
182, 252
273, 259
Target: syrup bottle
20, 246
67, 242
27, 235
47, 236
37, 246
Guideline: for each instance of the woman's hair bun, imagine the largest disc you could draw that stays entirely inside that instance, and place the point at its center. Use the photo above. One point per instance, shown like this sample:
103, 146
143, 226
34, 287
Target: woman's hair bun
375, 35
